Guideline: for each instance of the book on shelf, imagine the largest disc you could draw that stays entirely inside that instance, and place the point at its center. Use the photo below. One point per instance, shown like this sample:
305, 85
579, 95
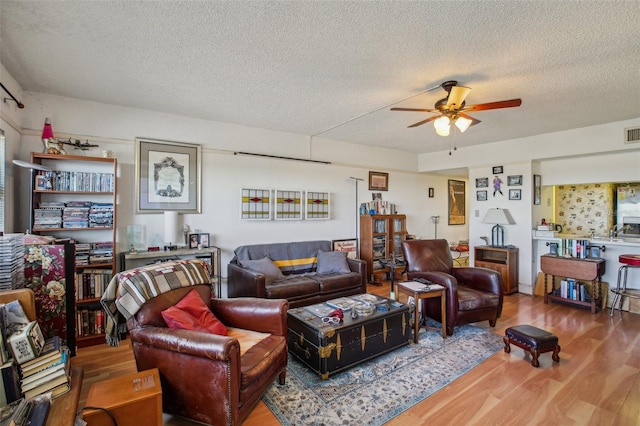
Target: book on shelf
48, 375
52, 349
61, 382
10, 384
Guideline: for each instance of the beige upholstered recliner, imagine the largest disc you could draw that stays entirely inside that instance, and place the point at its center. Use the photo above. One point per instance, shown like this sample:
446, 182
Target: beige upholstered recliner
473, 294
207, 377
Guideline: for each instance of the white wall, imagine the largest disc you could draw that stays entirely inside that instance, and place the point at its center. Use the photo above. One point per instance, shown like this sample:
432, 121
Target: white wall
563, 157
224, 174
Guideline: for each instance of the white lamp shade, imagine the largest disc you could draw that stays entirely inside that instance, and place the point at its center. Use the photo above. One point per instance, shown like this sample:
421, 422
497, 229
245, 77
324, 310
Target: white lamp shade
170, 226
442, 125
498, 217
462, 124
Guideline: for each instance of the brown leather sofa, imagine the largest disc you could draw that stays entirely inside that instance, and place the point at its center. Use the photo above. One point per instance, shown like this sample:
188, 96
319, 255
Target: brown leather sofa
204, 376
300, 281
473, 294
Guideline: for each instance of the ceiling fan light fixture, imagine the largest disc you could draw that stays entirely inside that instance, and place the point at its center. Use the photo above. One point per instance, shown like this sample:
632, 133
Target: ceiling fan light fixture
442, 125
462, 124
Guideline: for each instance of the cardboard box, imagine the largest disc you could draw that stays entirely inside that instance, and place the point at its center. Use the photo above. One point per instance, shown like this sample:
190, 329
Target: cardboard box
129, 398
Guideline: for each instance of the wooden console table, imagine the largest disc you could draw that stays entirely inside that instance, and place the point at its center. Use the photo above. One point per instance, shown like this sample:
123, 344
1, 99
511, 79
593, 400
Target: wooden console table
579, 269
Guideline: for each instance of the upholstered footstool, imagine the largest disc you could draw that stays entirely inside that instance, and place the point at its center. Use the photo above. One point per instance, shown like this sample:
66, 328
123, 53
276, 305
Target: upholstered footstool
532, 340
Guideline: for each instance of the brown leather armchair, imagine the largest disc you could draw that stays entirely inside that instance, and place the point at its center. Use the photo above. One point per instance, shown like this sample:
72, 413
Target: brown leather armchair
205, 377
473, 294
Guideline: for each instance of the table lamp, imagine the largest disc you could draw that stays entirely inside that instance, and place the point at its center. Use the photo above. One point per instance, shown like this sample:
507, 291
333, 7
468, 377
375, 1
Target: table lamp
498, 217
170, 229
33, 167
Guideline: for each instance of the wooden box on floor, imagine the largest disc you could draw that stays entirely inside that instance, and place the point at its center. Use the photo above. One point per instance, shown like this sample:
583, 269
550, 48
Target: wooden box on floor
129, 398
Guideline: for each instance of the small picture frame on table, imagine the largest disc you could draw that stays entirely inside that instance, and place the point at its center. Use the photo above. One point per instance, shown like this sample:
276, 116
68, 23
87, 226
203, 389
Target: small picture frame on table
193, 241
515, 194
203, 240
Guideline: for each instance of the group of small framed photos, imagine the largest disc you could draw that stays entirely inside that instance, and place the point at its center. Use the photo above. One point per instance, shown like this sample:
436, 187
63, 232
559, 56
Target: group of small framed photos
514, 180
198, 240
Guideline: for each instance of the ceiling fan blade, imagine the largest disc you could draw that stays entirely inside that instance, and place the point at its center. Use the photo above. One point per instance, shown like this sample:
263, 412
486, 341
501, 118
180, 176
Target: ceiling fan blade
468, 117
414, 109
457, 96
420, 123
494, 105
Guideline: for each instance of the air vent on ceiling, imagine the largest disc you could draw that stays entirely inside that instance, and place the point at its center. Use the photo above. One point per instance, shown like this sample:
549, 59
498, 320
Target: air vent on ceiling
632, 135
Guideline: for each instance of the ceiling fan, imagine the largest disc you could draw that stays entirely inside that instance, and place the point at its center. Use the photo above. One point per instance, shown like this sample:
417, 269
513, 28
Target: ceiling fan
454, 109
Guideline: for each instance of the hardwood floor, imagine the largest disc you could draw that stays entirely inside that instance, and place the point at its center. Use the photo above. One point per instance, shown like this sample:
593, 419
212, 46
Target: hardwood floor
597, 381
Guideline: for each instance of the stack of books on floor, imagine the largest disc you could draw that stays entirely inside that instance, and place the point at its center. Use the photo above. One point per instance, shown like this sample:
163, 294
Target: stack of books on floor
33, 370
47, 373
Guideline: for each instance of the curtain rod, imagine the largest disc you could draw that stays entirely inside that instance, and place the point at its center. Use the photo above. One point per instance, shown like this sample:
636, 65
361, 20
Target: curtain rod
280, 158
20, 104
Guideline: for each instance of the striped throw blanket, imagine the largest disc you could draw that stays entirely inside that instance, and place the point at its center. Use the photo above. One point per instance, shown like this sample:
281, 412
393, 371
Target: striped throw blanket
128, 290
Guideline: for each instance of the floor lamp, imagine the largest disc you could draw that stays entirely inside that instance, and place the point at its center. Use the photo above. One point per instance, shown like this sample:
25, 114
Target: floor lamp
32, 167
357, 214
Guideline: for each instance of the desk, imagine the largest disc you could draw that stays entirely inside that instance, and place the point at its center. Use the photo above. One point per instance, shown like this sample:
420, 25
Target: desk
64, 408
416, 290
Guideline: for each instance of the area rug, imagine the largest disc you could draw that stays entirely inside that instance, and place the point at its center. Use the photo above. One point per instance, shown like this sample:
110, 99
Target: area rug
374, 392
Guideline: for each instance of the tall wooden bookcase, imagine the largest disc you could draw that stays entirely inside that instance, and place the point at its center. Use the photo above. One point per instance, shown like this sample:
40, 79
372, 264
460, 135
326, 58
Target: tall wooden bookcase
380, 237
82, 182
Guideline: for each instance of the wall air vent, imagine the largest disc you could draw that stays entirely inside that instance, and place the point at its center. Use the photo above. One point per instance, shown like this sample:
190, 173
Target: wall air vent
632, 135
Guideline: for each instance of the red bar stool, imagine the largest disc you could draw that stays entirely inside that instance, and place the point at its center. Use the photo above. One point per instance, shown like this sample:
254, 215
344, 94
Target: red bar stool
628, 261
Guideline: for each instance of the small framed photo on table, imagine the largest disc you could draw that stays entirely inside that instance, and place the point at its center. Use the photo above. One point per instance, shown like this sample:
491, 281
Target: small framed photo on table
193, 240
203, 240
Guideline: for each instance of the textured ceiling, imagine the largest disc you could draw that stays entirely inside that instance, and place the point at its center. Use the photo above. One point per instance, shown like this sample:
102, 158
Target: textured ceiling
306, 66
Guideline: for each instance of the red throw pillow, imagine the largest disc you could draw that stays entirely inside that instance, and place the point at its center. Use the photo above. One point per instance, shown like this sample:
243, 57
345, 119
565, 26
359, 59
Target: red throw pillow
191, 313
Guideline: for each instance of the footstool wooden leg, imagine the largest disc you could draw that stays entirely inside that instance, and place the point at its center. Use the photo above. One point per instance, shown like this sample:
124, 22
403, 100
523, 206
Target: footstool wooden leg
555, 356
535, 354
507, 346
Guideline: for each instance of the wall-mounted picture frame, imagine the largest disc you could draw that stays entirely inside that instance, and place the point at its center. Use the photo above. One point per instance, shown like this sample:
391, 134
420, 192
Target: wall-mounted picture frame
255, 204
481, 195
167, 176
537, 188
288, 204
515, 180
515, 194
378, 181
431, 193
456, 202
496, 170
349, 245
317, 205
482, 182
203, 240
